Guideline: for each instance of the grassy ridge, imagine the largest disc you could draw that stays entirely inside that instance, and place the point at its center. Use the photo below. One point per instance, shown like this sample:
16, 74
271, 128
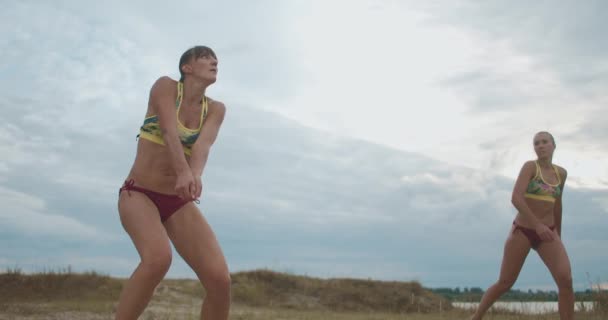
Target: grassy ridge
260, 288
48, 286
91, 292
259, 294
263, 288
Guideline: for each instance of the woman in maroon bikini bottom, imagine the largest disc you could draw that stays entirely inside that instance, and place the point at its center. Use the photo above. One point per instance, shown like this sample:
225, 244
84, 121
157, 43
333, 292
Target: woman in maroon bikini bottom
166, 204
175, 140
537, 196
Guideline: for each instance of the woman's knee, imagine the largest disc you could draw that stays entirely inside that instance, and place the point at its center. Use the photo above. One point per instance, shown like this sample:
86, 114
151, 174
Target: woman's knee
564, 280
218, 283
505, 284
157, 263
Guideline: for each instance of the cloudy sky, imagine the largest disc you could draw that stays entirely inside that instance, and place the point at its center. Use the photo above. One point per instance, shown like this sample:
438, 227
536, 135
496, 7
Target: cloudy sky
371, 139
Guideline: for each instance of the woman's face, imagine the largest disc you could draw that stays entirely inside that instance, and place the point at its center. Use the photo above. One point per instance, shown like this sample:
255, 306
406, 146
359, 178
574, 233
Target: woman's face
203, 68
543, 145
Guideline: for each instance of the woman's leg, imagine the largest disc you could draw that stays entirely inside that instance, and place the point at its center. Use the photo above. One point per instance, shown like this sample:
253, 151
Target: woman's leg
515, 252
556, 259
141, 221
196, 243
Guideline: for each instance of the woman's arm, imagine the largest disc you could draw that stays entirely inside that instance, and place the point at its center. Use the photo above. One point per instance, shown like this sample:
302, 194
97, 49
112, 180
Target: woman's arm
202, 146
162, 100
557, 209
526, 173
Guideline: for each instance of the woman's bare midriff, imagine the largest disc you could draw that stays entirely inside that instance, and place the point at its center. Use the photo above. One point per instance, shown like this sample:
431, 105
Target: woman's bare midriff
152, 168
542, 210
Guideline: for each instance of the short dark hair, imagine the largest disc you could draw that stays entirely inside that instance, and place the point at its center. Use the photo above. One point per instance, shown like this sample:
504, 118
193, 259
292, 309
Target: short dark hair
194, 53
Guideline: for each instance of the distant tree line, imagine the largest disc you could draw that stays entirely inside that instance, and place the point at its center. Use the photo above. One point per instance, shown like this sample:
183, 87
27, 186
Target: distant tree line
474, 294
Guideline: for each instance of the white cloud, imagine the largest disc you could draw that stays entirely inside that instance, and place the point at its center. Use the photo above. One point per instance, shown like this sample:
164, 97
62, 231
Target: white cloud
392, 89
99, 184
4, 169
99, 262
19, 199
379, 88
603, 202
25, 214
398, 74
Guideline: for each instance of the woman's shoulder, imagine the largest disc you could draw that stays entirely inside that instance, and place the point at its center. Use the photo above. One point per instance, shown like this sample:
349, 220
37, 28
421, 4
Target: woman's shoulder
529, 164
216, 105
164, 81
528, 169
562, 171
163, 88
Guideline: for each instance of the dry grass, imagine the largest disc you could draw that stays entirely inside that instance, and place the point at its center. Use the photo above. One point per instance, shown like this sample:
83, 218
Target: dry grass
264, 288
600, 298
181, 312
57, 291
276, 314
257, 295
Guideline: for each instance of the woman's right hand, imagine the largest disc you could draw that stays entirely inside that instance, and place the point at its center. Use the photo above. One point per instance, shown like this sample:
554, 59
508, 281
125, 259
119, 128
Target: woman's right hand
544, 232
185, 186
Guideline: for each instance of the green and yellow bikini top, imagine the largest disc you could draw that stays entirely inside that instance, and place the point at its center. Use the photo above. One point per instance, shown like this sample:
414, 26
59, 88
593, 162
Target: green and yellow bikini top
539, 189
151, 131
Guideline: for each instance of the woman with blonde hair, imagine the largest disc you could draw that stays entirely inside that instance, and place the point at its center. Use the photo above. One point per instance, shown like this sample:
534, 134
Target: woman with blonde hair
537, 196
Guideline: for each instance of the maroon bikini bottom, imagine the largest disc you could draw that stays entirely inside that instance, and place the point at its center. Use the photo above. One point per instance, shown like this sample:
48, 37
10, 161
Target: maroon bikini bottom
531, 234
166, 204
